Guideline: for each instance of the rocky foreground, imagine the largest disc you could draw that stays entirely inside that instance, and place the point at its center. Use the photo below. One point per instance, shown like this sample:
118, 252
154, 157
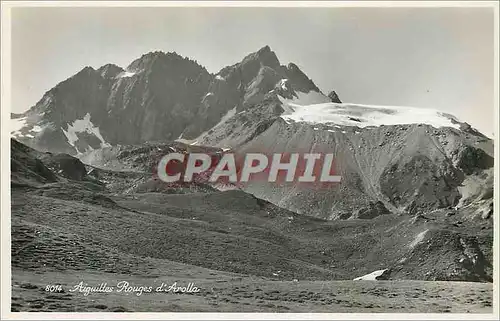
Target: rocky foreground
225, 292
243, 253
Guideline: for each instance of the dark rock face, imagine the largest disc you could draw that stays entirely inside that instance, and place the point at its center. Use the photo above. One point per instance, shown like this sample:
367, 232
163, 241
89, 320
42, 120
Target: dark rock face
371, 211
256, 80
459, 257
158, 97
471, 159
110, 71
421, 183
334, 97
65, 165
31, 167
299, 79
25, 166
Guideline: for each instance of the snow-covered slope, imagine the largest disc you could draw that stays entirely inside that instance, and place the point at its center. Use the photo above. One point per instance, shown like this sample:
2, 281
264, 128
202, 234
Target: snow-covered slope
309, 108
391, 159
375, 275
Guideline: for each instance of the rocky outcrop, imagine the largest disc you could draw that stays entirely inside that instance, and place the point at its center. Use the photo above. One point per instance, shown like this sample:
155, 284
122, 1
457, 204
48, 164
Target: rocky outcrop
371, 211
31, 167
471, 159
65, 165
26, 168
334, 97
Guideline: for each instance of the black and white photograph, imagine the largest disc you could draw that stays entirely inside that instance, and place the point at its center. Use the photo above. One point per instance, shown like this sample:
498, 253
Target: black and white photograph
250, 160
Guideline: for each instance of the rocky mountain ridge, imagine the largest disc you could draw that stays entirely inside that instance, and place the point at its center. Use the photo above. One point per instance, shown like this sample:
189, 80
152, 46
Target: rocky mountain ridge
392, 159
158, 97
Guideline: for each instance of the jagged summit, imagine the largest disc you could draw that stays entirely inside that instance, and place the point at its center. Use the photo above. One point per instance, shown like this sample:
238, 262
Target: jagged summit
164, 96
155, 58
264, 49
86, 69
110, 70
267, 57
108, 66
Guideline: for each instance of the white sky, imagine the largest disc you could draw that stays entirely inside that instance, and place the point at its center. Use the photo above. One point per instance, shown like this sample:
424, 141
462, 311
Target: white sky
424, 57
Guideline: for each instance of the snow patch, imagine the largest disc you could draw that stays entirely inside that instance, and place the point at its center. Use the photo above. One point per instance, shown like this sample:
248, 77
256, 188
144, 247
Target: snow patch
283, 84
126, 74
219, 77
371, 277
402, 260
83, 126
288, 109
16, 124
208, 95
185, 141
302, 99
419, 238
362, 115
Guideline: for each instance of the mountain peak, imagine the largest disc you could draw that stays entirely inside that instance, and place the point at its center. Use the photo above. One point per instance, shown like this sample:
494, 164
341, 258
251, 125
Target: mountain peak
149, 59
107, 66
264, 49
85, 73
87, 69
109, 70
146, 60
264, 56
175, 89
158, 54
297, 76
334, 97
